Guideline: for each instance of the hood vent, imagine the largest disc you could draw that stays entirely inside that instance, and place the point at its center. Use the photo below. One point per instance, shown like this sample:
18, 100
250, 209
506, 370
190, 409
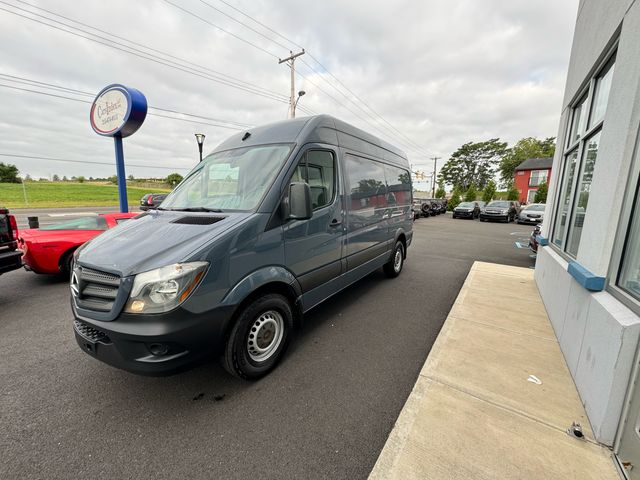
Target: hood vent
198, 220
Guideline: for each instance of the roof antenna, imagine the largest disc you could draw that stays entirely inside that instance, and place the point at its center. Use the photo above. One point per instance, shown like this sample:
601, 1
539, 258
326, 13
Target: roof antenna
245, 136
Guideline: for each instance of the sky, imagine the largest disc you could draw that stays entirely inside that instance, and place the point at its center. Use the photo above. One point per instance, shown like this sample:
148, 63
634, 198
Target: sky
427, 76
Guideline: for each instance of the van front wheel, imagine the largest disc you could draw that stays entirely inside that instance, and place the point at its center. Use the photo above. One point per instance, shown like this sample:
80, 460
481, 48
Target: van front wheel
394, 266
259, 337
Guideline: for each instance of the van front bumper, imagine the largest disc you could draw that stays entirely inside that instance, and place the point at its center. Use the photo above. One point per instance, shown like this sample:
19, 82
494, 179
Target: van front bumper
155, 345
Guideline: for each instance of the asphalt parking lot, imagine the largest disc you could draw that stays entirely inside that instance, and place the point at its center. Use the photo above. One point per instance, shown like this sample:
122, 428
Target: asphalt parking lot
325, 412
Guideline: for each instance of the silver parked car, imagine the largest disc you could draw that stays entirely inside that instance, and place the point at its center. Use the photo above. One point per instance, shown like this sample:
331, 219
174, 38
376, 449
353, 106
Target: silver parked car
532, 213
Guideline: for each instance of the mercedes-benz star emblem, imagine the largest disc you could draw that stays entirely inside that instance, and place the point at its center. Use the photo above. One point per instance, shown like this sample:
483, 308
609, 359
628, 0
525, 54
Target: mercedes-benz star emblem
75, 289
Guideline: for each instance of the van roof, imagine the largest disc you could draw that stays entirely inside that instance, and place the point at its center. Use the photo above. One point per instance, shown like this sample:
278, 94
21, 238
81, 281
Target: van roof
317, 129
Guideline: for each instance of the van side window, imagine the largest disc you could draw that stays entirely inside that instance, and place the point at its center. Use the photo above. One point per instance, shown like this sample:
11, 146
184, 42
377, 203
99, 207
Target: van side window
398, 185
317, 168
367, 183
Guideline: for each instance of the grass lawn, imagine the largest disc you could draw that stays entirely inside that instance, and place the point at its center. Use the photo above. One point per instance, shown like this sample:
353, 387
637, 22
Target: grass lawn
66, 194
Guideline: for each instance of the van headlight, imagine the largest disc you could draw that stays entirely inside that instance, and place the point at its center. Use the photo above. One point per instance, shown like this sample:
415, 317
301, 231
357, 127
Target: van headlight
165, 288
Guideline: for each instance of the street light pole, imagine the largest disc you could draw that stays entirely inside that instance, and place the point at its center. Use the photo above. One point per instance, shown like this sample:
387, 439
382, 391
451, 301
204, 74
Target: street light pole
200, 140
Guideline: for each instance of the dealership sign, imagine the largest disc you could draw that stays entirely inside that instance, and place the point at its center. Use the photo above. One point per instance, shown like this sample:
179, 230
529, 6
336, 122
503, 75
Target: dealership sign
118, 112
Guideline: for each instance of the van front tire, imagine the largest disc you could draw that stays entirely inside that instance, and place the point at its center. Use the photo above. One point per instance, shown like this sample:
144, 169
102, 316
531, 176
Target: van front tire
259, 337
394, 266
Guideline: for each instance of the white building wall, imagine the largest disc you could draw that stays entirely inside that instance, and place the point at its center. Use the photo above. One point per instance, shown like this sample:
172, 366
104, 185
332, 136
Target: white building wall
597, 334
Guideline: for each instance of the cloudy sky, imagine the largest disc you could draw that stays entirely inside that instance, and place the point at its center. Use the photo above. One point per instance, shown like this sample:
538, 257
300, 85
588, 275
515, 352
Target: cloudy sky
426, 75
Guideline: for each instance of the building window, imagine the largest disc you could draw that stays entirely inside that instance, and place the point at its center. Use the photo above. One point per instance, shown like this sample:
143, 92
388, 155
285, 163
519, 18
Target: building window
629, 278
580, 157
537, 177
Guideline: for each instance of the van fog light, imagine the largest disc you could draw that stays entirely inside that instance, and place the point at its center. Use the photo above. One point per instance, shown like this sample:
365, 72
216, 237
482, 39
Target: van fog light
159, 349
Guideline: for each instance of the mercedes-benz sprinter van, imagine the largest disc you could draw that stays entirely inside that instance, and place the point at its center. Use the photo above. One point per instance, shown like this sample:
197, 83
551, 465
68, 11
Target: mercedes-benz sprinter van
276, 220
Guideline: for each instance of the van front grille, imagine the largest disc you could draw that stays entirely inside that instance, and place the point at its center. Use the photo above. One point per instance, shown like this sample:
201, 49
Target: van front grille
93, 289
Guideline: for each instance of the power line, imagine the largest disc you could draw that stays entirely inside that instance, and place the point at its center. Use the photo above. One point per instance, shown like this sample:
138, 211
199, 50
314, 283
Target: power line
245, 25
245, 86
220, 28
303, 76
111, 164
414, 145
411, 142
111, 34
40, 84
230, 127
261, 24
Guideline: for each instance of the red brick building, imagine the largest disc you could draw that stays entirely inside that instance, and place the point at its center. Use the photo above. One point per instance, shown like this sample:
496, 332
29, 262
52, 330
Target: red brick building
531, 173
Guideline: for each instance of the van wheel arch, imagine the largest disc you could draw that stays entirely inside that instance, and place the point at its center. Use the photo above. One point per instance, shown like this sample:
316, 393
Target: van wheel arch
402, 238
281, 288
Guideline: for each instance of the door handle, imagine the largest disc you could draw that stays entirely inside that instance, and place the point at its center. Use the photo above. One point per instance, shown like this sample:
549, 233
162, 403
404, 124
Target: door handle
335, 223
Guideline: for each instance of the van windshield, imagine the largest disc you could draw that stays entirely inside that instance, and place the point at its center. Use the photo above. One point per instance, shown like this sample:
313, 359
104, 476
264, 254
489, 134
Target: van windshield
231, 180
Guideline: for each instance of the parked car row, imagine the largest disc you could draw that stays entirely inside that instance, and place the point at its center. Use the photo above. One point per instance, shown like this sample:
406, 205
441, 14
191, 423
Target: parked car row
501, 210
152, 200
428, 207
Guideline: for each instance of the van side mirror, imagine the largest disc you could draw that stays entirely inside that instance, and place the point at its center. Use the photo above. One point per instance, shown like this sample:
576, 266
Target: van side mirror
299, 201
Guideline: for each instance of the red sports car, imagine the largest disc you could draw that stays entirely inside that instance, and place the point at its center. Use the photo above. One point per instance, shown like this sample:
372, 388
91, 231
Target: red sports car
50, 249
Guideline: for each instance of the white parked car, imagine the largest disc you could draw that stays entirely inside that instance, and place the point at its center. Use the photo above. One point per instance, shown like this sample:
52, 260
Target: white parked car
532, 213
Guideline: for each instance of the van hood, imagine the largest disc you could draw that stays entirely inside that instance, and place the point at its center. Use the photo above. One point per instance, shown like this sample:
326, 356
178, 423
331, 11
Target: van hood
155, 239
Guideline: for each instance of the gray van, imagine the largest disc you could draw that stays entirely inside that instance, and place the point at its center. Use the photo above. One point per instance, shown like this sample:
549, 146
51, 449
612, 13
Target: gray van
276, 220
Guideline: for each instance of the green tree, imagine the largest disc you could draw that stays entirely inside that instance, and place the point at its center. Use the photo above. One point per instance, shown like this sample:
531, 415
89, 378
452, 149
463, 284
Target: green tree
80, 179
473, 163
489, 191
454, 201
113, 179
174, 179
529, 147
56, 178
440, 192
512, 192
65, 179
131, 178
471, 194
541, 193
8, 173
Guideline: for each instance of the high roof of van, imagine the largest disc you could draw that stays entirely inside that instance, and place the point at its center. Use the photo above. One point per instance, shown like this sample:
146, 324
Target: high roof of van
317, 129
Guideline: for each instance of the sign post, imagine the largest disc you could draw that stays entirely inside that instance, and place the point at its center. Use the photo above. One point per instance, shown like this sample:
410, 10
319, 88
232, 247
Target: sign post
118, 112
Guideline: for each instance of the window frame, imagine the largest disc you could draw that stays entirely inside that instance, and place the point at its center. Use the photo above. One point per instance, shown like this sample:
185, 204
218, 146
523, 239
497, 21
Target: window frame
304, 159
630, 205
545, 177
587, 95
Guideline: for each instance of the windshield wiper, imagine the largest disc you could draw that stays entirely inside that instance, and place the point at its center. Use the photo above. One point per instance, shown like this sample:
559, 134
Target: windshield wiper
195, 209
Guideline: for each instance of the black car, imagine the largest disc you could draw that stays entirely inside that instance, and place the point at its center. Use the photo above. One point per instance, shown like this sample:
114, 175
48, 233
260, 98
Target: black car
152, 200
10, 256
467, 210
503, 210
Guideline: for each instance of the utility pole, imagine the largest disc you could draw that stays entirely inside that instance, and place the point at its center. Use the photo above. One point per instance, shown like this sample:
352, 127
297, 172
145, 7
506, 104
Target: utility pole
435, 164
291, 61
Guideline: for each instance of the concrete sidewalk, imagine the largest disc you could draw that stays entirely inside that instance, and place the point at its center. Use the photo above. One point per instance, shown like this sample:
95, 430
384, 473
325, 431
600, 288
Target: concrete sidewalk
475, 412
